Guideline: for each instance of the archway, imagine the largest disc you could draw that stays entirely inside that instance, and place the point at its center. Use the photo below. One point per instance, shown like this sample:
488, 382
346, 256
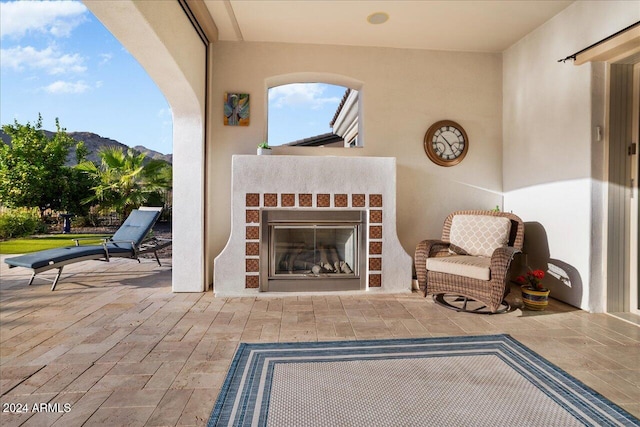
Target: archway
162, 38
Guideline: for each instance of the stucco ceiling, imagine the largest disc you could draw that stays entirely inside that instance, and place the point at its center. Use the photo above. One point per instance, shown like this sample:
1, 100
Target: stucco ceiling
472, 25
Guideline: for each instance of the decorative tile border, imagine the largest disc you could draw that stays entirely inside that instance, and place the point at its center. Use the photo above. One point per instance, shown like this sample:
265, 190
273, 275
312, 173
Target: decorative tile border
305, 200
375, 280
253, 216
271, 200
252, 282
253, 199
340, 200
288, 200
252, 249
375, 248
323, 200
375, 200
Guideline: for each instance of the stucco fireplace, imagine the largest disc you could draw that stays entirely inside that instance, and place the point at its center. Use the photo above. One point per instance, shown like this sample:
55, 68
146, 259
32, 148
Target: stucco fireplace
312, 224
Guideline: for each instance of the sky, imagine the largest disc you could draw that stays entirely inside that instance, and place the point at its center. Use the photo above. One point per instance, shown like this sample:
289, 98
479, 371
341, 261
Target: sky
58, 60
301, 110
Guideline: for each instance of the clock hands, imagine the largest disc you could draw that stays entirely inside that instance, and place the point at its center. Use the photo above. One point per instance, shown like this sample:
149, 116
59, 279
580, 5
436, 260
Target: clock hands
448, 143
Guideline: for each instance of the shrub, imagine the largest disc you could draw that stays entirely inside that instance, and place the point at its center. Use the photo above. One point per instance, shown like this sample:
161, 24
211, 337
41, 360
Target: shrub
88, 220
20, 222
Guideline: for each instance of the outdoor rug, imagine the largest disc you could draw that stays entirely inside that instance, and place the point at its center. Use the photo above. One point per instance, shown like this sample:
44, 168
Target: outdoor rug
454, 381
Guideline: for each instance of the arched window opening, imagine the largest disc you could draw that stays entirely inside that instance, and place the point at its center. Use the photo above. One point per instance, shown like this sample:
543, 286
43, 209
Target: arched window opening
313, 115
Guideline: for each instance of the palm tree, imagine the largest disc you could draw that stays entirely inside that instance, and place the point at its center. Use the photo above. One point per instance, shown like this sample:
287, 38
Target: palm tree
126, 180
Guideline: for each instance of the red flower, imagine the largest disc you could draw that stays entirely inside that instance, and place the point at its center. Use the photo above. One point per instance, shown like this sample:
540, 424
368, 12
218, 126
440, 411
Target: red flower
538, 274
532, 279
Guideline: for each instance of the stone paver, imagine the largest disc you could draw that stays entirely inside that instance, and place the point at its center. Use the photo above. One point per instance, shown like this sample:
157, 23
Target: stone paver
119, 348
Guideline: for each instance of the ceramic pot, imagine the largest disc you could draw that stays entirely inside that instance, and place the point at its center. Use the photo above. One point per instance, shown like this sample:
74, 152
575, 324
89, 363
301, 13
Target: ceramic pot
535, 299
264, 151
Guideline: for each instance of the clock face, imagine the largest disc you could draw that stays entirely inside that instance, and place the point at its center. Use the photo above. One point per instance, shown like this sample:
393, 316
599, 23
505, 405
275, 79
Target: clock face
446, 143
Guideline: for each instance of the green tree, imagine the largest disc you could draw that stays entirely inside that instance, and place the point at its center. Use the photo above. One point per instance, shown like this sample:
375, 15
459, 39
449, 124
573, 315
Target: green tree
81, 152
32, 170
126, 180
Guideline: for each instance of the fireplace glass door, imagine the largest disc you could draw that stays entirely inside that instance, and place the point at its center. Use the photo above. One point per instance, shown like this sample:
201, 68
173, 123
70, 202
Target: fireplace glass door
314, 251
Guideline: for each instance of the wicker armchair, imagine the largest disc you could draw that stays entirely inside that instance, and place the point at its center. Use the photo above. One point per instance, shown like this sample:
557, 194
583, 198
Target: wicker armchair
444, 268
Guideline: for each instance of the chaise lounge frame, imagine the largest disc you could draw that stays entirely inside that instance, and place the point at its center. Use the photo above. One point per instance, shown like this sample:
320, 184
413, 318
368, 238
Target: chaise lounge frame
141, 220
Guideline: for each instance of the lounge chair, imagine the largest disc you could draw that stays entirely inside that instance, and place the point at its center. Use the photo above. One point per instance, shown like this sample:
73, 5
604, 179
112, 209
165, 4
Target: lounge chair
128, 242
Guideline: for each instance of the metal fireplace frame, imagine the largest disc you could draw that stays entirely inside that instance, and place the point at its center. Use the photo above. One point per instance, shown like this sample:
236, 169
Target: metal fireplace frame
322, 217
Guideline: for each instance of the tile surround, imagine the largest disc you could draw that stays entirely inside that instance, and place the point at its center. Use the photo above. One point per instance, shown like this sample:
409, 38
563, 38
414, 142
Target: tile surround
253, 199
253, 233
253, 265
270, 200
288, 200
375, 280
375, 216
252, 282
375, 200
340, 200
323, 200
253, 249
305, 200
375, 248
375, 232
252, 216
357, 200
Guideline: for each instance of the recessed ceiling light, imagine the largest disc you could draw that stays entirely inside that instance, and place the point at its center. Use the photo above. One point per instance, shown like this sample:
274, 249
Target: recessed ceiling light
378, 18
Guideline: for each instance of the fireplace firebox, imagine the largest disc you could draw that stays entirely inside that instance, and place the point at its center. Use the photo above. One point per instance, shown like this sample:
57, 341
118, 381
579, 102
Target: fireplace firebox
317, 250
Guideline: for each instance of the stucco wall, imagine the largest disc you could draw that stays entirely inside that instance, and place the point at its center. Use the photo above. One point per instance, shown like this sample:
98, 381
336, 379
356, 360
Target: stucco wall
403, 92
161, 37
553, 164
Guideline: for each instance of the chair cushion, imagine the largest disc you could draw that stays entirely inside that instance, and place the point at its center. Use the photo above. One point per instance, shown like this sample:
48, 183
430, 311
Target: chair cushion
462, 265
136, 226
478, 235
53, 256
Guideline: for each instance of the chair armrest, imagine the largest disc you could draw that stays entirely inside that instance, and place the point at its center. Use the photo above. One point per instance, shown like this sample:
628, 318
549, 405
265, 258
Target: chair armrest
134, 249
500, 262
424, 250
155, 239
78, 239
131, 242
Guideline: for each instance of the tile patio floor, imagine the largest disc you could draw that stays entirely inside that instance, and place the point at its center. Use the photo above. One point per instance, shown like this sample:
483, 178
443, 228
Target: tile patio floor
114, 342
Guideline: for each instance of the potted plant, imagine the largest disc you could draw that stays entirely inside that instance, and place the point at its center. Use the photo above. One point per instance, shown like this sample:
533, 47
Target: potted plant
264, 149
534, 295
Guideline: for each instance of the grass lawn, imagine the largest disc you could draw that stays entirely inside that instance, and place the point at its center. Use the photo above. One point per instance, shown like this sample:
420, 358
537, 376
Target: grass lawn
33, 244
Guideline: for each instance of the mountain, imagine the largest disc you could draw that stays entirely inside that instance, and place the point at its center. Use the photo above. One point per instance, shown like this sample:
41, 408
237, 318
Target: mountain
151, 154
96, 142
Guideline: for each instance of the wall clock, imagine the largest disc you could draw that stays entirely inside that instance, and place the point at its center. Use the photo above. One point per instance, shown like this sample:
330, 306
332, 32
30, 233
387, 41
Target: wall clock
446, 143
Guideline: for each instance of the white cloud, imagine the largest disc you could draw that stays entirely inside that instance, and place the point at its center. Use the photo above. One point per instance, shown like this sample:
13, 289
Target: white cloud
164, 113
166, 116
61, 87
57, 18
300, 94
105, 57
49, 59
